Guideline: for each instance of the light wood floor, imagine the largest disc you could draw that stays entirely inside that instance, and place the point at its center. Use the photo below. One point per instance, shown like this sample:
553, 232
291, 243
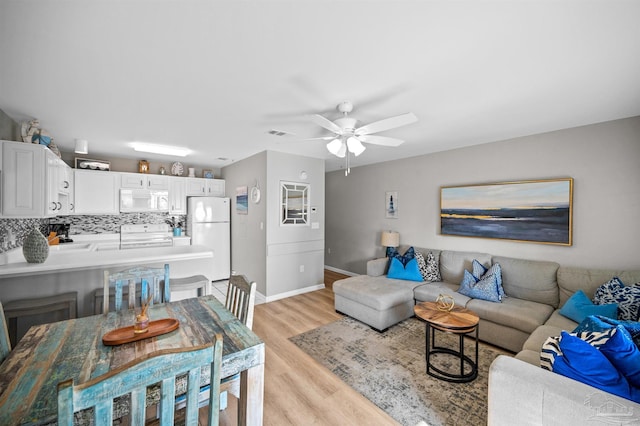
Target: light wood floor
298, 390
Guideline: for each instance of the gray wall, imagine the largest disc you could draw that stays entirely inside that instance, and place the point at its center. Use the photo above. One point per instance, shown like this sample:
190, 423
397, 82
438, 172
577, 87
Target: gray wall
603, 159
264, 251
9, 128
248, 238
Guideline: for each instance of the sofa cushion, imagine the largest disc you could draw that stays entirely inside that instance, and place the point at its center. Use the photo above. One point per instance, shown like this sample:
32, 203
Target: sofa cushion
409, 271
529, 279
379, 293
560, 321
538, 337
430, 292
454, 263
627, 298
520, 314
579, 306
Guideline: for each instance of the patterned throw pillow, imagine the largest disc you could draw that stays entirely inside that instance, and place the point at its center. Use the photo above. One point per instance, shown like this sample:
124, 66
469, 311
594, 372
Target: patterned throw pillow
551, 347
407, 256
485, 289
480, 271
429, 268
627, 298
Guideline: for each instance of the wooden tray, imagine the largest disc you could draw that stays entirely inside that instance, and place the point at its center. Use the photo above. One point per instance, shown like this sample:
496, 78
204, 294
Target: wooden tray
123, 335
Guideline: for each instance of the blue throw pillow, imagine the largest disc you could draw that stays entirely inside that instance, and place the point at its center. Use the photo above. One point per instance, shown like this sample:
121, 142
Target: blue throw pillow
624, 355
485, 289
409, 272
478, 269
579, 306
582, 362
407, 256
599, 323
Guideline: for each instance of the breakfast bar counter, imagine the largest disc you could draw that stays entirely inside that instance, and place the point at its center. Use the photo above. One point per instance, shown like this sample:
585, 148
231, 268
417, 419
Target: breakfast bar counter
80, 268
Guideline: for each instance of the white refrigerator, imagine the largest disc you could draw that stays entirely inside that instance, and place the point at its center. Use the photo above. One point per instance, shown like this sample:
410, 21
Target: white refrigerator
208, 225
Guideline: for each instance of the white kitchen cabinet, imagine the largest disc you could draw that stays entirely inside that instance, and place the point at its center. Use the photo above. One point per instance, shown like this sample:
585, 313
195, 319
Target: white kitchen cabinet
142, 181
177, 195
206, 187
96, 192
33, 183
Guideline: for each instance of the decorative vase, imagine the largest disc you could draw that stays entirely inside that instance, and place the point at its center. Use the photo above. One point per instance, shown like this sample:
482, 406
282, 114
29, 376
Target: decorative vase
35, 247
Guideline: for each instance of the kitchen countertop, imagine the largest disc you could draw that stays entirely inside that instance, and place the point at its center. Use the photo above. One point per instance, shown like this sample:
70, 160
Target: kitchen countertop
84, 255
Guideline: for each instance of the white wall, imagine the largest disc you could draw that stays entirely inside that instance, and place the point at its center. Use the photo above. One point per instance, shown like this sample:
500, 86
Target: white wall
603, 159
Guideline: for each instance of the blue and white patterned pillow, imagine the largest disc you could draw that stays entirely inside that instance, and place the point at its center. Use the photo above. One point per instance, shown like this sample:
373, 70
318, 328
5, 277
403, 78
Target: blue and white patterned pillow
627, 298
484, 289
551, 347
481, 272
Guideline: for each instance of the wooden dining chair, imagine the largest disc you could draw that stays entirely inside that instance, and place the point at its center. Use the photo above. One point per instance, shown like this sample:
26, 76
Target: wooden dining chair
149, 281
5, 343
134, 377
240, 300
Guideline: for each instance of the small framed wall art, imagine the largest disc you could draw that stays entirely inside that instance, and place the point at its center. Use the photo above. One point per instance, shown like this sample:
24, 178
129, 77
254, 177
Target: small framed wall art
391, 204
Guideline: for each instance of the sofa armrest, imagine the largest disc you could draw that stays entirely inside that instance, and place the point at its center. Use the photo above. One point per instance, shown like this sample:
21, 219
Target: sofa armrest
523, 394
377, 267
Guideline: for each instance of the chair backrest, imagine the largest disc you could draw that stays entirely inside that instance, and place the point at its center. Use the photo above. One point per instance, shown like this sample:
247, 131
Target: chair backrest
241, 298
134, 378
5, 343
149, 281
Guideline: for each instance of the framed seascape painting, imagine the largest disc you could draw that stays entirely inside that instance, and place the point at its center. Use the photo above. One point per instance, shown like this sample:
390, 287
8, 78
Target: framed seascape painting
538, 211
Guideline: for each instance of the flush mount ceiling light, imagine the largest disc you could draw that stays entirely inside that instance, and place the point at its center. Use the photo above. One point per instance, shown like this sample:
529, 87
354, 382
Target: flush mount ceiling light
82, 146
176, 151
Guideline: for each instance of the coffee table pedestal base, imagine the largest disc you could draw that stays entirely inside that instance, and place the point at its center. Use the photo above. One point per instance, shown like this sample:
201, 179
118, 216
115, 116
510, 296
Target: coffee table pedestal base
432, 349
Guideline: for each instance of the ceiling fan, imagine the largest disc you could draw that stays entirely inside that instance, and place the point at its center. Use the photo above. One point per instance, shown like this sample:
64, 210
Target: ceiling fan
348, 135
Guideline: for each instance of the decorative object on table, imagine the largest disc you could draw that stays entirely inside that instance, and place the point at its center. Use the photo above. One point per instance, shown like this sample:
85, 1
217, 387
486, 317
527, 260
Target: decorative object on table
162, 171
207, 174
177, 169
124, 335
143, 166
390, 240
255, 193
534, 211
35, 247
192, 172
242, 200
391, 204
89, 164
445, 303
142, 320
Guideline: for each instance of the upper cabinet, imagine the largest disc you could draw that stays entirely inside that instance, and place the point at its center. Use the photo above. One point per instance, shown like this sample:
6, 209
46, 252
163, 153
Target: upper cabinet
205, 187
96, 192
143, 181
177, 195
35, 182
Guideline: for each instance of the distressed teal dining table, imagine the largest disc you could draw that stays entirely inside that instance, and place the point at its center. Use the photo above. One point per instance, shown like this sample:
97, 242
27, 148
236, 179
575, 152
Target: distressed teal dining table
51, 353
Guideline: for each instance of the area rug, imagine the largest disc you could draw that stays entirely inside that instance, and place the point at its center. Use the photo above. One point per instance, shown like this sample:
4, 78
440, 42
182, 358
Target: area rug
389, 369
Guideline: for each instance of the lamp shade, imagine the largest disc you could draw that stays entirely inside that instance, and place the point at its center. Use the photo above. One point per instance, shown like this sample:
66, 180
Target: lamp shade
82, 146
390, 239
355, 146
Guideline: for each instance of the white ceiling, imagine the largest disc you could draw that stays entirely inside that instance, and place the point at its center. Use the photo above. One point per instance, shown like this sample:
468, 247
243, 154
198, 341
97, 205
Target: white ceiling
217, 75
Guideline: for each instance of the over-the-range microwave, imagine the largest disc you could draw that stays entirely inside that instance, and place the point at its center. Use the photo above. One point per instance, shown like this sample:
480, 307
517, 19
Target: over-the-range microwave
144, 200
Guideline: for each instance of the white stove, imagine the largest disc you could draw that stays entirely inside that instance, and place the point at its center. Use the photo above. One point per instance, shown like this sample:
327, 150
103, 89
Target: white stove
139, 236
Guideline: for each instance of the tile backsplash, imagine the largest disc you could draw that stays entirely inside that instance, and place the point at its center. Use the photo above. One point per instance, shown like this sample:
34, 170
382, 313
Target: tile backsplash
14, 231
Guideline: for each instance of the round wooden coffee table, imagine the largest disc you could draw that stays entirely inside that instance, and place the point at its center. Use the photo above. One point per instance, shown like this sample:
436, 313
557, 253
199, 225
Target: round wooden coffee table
460, 321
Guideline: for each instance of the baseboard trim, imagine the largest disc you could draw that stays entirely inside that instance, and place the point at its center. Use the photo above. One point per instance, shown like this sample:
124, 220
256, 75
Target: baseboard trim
340, 271
289, 293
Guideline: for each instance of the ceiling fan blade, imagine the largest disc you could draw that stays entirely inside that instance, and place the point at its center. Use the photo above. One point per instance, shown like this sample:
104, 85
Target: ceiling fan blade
380, 140
387, 123
327, 124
